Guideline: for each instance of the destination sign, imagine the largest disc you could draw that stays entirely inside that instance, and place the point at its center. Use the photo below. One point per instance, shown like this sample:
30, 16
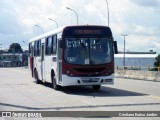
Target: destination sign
88, 32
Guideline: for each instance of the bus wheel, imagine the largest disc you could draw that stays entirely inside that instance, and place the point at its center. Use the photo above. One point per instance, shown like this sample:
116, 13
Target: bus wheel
54, 83
96, 87
36, 77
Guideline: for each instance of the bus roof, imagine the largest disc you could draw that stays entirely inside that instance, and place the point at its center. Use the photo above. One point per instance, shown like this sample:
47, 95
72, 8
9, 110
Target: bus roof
59, 30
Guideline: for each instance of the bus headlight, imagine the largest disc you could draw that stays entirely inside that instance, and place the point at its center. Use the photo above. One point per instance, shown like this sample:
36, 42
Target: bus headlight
68, 71
71, 75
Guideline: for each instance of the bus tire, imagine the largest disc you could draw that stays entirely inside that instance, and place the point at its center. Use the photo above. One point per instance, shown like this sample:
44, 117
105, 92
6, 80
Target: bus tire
96, 87
36, 77
54, 83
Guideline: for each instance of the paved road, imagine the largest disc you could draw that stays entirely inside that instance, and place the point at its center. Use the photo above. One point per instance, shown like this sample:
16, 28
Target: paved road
18, 91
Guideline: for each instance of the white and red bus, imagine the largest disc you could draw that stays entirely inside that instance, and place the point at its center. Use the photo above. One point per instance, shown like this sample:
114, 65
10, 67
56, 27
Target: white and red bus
74, 56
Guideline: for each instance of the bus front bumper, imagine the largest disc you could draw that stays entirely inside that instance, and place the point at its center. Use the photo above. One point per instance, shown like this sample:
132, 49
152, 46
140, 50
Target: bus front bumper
86, 81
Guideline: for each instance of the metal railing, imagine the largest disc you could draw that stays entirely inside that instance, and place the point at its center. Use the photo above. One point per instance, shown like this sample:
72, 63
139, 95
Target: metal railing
138, 68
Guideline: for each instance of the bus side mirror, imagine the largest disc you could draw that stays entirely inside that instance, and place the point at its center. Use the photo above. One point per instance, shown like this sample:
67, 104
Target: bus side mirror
61, 45
115, 47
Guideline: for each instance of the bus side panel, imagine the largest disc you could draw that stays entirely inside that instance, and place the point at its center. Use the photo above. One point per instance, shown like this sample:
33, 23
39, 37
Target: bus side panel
38, 67
54, 66
30, 61
48, 64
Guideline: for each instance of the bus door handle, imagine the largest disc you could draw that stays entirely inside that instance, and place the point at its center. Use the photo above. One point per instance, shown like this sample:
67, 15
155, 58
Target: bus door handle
54, 59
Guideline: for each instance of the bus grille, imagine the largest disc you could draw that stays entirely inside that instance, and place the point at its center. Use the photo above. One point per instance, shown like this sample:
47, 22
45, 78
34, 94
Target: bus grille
89, 72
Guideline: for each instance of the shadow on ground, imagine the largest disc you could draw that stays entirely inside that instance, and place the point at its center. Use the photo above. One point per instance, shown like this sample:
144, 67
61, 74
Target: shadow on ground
88, 91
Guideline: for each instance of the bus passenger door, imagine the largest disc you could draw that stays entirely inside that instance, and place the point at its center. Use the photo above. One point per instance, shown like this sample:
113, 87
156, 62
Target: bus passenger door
59, 65
42, 61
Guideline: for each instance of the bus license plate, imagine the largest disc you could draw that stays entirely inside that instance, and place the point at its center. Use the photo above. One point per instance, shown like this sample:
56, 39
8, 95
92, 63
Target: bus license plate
90, 79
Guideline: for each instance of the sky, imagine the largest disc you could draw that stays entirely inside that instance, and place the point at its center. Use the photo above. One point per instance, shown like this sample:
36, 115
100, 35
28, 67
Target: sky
139, 19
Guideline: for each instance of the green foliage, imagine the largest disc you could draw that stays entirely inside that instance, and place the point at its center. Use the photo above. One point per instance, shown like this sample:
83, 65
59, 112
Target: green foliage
15, 48
1, 51
157, 63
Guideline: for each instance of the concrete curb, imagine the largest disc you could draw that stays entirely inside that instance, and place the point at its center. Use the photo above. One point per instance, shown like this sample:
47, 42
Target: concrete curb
137, 74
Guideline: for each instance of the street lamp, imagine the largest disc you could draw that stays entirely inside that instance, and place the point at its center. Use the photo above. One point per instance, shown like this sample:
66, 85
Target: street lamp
40, 28
108, 12
54, 21
74, 12
124, 35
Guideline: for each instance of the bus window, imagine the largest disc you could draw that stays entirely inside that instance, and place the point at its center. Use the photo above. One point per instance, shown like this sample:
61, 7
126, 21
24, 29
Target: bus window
35, 49
38, 47
42, 54
93, 51
48, 45
30, 49
54, 44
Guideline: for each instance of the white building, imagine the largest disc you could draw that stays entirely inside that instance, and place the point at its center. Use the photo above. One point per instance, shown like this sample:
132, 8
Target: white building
10, 60
135, 60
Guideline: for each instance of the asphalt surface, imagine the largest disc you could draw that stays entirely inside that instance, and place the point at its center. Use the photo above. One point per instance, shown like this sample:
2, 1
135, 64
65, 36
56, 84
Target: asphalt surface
19, 92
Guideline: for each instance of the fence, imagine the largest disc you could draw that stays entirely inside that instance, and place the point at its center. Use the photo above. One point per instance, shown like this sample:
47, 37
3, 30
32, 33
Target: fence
138, 73
138, 68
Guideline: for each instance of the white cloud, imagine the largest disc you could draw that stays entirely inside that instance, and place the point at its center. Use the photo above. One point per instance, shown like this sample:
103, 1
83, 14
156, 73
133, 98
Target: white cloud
9, 23
137, 18
147, 3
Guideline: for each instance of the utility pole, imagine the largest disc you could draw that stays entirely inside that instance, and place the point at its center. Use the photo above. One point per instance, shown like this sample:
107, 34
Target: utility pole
124, 35
108, 11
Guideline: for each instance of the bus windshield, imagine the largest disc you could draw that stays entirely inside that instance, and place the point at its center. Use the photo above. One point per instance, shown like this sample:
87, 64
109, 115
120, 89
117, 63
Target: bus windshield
88, 51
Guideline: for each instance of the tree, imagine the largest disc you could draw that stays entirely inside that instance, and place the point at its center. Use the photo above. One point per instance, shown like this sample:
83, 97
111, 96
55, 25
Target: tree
15, 48
157, 62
